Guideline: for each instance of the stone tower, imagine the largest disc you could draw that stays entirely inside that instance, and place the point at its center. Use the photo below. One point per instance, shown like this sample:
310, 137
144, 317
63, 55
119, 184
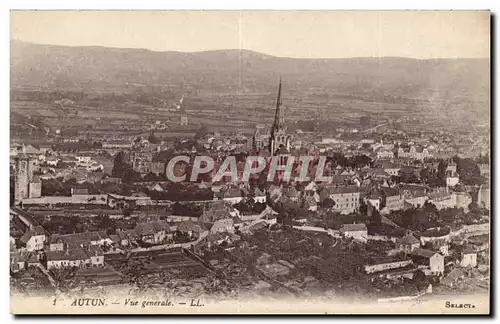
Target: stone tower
24, 174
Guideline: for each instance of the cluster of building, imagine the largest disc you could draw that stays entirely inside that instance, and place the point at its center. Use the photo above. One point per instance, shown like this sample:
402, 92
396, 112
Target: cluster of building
222, 220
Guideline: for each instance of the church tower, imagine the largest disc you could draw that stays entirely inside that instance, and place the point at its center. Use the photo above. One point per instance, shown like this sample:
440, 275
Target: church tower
279, 140
24, 174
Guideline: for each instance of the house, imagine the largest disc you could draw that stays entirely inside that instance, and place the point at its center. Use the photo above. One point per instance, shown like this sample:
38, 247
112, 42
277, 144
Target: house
79, 191
390, 168
356, 231
96, 256
346, 198
469, 258
83, 159
374, 200
452, 180
257, 226
407, 243
443, 200
429, 259
119, 201
384, 264
479, 242
35, 188
393, 200
292, 194
56, 259
210, 216
377, 173
78, 240
57, 244
438, 245
212, 239
223, 225
259, 196
413, 190
383, 154
153, 232
34, 239
416, 201
32, 260
270, 218
413, 152
51, 161
77, 257
17, 261
191, 229
122, 237
232, 195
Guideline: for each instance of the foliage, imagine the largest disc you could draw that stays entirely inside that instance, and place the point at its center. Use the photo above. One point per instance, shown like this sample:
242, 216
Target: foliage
469, 172
121, 165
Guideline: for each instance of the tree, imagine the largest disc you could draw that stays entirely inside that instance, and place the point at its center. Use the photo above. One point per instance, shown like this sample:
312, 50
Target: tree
328, 203
425, 175
12, 190
473, 207
202, 131
376, 220
153, 139
441, 172
108, 224
469, 172
420, 280
363, 208
121, 167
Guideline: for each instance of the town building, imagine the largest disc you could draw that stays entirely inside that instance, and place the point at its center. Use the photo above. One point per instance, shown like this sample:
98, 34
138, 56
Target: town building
407, 243
24, 178
413, 152
384, 264
153, 232
452, 180
223, 225
483, 196
433, 261
469, 258
356, 231
34, 239
346, 198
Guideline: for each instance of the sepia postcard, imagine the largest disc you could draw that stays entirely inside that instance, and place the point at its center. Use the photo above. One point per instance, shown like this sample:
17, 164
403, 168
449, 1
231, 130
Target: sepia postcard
250, 162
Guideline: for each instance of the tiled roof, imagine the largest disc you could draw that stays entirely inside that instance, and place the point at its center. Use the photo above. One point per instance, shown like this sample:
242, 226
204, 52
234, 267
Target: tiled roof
423, 253
408, 239
353, 227
342, 190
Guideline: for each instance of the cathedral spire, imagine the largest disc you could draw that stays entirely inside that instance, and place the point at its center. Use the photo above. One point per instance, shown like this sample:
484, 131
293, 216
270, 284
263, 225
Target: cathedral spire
279, 137
279, 118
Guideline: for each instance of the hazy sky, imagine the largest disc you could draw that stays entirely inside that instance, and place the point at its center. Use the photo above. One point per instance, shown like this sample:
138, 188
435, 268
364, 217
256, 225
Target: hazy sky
307, 34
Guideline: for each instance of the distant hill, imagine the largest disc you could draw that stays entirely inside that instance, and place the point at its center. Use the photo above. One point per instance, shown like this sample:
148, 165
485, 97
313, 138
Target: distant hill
99, 68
